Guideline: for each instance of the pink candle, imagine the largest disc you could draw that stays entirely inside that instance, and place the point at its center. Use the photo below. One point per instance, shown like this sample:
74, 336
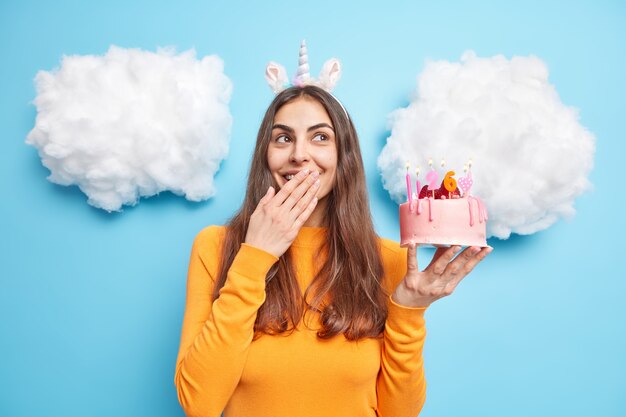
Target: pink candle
433, 178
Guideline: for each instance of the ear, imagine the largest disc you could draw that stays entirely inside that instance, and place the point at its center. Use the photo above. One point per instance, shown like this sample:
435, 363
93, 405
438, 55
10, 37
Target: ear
330, 74
276, 77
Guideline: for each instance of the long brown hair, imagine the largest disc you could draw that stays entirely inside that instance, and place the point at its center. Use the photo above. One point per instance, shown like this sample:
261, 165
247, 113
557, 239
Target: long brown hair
347, 290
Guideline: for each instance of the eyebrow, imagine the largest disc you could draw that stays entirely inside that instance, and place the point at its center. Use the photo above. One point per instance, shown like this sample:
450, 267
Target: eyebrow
290, 129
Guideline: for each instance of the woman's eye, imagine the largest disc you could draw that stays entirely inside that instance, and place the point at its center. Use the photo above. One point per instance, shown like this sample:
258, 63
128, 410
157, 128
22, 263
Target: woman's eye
282, 139
320, 137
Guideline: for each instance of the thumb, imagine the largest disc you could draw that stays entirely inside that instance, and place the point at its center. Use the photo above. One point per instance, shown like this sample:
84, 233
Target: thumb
411, 258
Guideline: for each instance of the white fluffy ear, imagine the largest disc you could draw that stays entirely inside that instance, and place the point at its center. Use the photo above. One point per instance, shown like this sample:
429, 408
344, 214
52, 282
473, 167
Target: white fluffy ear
330, 74
276, 77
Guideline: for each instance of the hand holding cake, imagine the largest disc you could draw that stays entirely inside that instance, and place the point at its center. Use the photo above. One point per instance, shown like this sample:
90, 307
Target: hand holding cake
441, 276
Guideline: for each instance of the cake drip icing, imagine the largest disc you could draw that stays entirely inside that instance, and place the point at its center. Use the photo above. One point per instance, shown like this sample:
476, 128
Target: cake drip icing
480, 207
482, 210
431, 216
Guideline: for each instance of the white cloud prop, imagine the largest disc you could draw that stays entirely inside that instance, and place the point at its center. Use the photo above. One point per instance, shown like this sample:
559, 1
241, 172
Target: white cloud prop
531, 156
133, 123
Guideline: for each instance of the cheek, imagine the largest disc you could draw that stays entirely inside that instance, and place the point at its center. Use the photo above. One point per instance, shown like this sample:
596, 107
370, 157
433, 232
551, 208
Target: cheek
274, 160
328, 160
271, 164
329, 164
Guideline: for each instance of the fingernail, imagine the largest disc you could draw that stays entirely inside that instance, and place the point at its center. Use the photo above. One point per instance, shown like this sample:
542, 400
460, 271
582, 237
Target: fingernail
475, 250
457, 249
303, 173
316, 183
315, 174
489, 250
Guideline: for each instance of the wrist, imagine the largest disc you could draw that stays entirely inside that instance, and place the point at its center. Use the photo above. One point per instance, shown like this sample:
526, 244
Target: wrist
408, 298
263, 248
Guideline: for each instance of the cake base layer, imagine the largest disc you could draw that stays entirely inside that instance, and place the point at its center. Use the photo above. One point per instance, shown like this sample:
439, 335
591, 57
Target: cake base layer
461, 221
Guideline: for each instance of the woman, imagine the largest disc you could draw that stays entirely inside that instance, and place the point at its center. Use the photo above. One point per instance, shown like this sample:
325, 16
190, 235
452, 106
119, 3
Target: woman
296, 307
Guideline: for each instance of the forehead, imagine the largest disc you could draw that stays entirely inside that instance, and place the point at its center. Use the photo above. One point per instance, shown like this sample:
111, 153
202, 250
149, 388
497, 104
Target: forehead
302, 111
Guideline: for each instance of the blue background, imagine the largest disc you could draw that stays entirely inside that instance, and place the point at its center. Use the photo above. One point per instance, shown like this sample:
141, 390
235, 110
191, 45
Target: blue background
91, 303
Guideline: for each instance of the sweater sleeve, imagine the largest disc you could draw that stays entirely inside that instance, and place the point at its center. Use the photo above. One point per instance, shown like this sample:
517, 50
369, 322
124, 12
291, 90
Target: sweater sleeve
401, 385
216, 334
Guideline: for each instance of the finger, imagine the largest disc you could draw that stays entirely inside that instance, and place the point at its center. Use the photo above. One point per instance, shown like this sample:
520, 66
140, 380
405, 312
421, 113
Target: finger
304, 216
411, 258
288, 188
471, 264
312, 181
459, 262
438, 266
267, 197
303, 203
449, 288
440, 251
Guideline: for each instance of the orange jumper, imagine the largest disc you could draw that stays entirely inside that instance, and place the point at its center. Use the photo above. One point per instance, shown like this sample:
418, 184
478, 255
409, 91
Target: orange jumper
221, 369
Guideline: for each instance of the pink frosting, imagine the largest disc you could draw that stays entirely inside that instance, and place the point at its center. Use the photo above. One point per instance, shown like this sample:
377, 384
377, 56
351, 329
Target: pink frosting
482, 211
449, 222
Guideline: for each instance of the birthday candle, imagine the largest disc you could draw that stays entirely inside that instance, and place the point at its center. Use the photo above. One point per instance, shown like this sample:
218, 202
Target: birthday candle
466, 182
417, 182
432, 177
443, 165
449, 183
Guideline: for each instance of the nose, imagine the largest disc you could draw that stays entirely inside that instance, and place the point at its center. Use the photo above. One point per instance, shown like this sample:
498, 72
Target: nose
299, 152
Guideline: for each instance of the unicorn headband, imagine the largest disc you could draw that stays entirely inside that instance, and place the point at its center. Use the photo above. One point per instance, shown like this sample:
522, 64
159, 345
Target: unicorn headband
276, 75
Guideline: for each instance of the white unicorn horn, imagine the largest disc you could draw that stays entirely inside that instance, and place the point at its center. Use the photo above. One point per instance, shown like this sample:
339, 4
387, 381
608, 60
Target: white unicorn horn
302, 76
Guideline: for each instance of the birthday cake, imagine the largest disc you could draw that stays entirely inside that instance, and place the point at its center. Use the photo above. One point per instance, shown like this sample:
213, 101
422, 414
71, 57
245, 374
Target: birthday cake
443, 216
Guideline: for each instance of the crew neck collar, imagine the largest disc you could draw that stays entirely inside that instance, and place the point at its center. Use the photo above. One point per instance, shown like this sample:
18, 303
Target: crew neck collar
310, 237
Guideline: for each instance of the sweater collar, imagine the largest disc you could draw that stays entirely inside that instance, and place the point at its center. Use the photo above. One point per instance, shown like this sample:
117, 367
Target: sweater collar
310, 237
